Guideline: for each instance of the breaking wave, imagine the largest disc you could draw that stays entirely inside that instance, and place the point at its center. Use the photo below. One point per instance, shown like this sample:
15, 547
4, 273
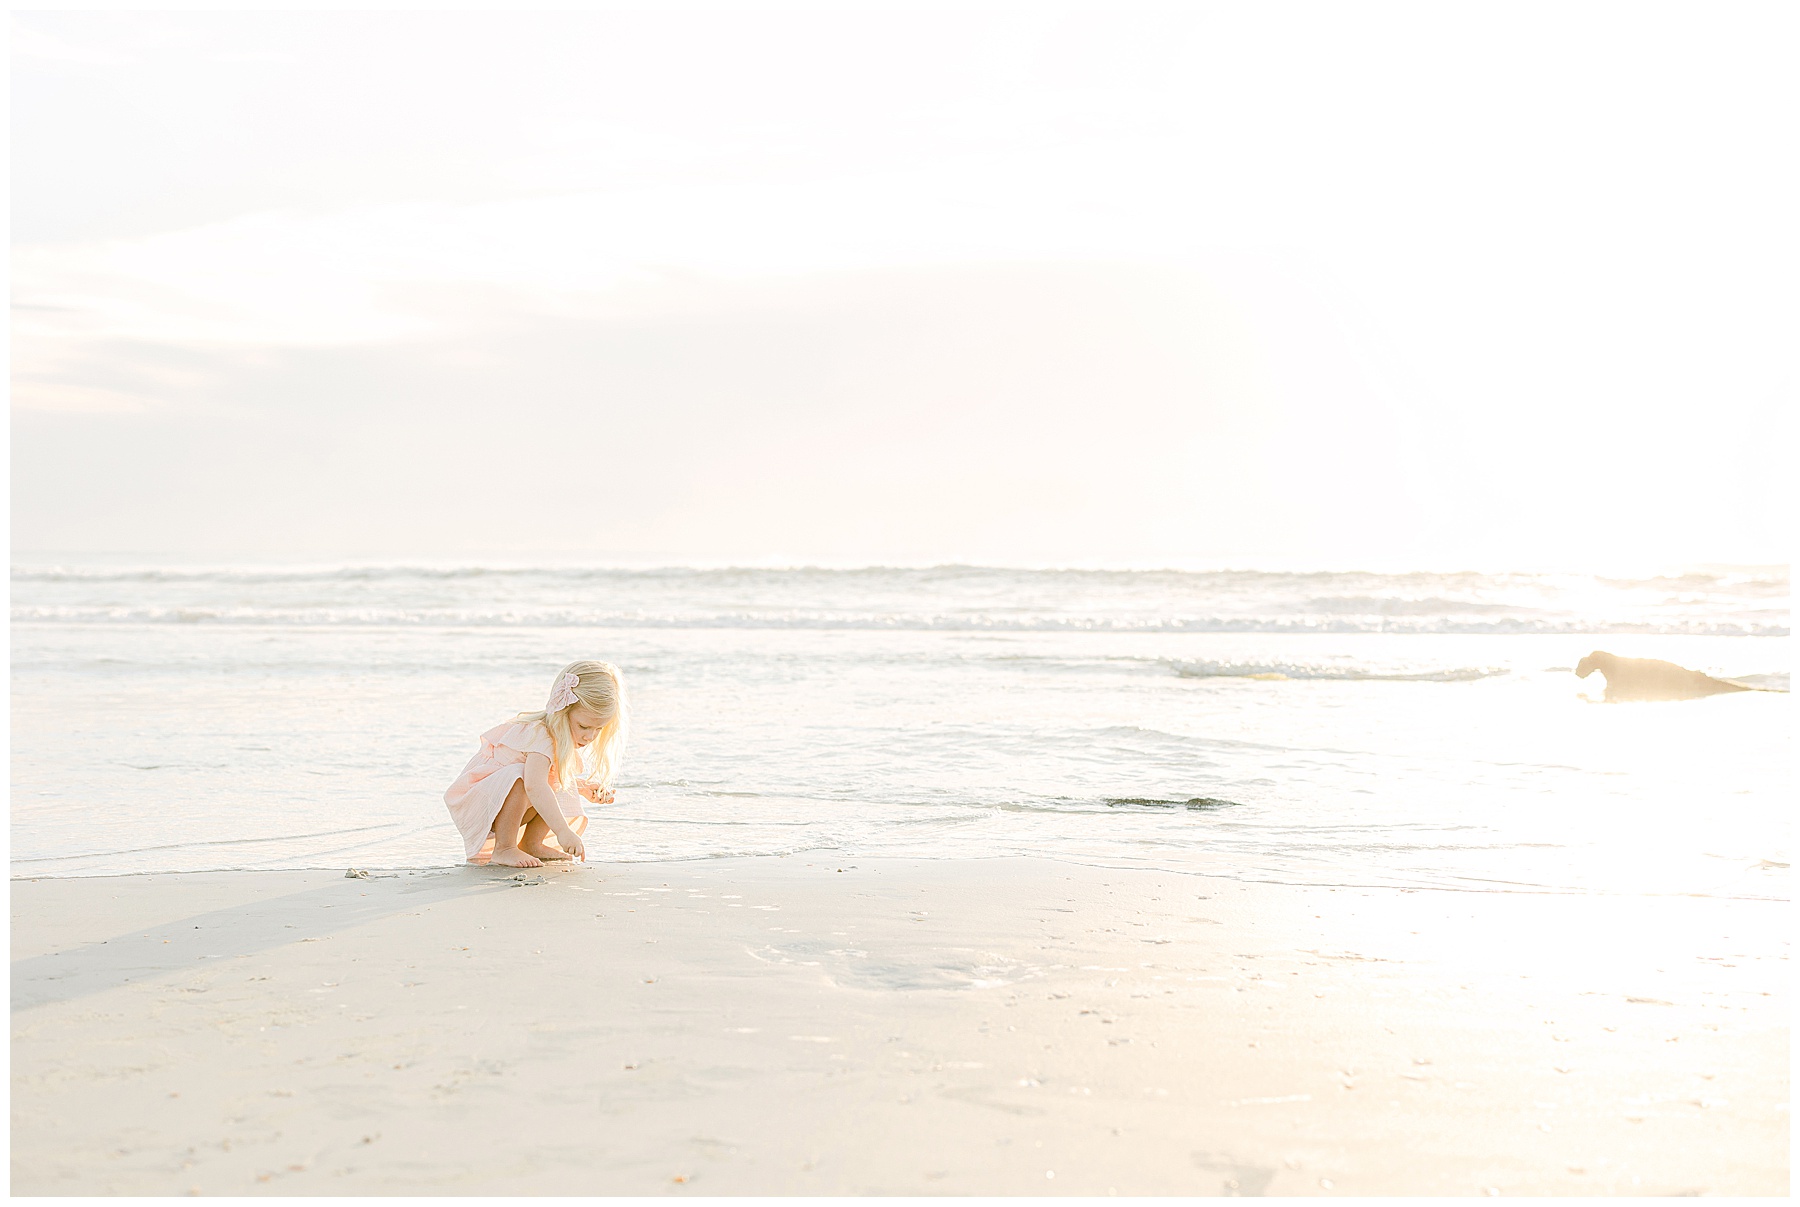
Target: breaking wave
1750, 602
925, 622
1292, 670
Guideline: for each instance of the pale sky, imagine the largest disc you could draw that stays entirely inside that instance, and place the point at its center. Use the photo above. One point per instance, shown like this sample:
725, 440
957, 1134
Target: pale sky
1251, 282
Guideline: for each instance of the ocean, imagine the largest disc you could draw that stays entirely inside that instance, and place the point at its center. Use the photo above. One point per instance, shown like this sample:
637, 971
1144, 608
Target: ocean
1416, 730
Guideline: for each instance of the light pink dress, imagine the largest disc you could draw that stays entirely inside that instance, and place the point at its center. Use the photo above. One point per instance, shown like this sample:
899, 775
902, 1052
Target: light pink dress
476, 796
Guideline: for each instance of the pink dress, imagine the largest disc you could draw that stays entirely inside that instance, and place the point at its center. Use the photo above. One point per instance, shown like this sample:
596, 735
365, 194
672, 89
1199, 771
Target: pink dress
476, 796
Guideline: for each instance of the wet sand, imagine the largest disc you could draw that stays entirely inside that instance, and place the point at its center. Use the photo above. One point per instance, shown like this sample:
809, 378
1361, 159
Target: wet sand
1004, 1026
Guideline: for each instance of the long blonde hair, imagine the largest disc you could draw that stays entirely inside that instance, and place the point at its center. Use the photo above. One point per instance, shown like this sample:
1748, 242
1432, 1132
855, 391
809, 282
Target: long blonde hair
599, 686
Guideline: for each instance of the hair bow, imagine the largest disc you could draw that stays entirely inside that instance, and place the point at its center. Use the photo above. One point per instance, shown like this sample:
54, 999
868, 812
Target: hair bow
563, 694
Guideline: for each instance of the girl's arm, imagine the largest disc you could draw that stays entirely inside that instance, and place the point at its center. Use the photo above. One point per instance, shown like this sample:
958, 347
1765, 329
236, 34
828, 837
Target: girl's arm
538, 792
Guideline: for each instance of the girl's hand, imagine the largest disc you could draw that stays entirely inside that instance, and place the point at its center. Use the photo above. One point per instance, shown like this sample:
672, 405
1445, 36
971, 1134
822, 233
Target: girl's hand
573, 847
595, 793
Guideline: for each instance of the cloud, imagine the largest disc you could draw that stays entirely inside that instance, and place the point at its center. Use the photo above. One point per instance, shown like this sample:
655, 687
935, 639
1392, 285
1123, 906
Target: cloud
1045, 411
1052, 283
29, 42
358, 273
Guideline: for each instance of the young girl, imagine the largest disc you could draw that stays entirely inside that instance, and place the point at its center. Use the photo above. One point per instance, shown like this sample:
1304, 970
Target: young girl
527, 775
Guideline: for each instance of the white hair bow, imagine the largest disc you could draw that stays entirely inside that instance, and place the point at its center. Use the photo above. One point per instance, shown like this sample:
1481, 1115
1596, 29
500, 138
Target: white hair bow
563, 694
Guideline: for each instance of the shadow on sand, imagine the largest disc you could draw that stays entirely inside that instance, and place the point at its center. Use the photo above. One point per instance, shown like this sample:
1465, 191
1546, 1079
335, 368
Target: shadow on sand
237, 930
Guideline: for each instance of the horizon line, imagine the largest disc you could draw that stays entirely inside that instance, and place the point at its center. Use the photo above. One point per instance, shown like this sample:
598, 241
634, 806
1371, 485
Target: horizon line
499, 560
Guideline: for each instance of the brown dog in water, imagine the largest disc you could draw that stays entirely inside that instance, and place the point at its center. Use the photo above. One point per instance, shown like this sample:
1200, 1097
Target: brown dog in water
1651, 679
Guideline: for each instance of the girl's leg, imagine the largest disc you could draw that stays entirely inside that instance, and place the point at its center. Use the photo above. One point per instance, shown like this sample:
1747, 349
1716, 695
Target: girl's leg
506, 831
536, 830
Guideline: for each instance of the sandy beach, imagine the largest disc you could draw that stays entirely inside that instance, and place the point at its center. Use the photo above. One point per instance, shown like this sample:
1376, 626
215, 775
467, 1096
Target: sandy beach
1006, 1026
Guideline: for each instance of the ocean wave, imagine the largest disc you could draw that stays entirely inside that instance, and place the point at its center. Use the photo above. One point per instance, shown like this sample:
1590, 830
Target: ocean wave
1294, 670
949, 598
1769, 681
1771, 580
1364, 605
900, 622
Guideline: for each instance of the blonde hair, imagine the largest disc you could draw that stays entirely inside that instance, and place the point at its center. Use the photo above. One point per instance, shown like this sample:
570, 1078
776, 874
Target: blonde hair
601, 688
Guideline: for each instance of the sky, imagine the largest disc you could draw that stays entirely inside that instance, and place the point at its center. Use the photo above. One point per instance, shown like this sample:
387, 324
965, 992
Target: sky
1284, 283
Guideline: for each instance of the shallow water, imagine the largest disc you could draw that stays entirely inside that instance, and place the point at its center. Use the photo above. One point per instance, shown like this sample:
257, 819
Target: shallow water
1411, 730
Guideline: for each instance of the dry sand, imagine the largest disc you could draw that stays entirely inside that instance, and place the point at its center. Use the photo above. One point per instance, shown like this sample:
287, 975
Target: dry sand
899, 1026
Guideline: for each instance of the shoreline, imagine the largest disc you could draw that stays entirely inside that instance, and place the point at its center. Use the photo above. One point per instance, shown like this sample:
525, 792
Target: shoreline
377, 872
996, 1026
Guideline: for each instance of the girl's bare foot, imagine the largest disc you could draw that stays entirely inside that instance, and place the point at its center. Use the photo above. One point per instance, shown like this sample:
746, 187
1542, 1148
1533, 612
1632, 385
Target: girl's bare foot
513, 857
542, 852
